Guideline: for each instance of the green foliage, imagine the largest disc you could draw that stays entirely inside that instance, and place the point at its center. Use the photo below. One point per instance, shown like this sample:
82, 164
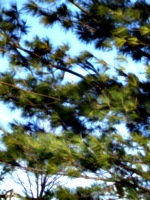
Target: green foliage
70, 129
88, 193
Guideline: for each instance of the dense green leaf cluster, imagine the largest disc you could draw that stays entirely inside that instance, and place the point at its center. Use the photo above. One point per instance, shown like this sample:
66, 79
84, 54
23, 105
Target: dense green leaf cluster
71, 129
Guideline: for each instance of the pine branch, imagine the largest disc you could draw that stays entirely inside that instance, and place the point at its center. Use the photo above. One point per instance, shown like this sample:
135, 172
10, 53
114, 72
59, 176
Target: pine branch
46, 62
34, 170
28, 91
133, 170
82, 9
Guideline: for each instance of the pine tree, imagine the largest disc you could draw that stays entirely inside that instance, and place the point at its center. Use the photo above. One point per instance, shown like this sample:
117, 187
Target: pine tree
86, 113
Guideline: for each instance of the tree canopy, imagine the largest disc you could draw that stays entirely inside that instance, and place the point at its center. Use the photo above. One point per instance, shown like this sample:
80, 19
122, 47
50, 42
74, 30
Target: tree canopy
71, 129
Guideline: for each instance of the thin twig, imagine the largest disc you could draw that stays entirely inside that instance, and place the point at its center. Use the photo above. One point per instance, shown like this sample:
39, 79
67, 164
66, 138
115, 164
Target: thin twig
29, 92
